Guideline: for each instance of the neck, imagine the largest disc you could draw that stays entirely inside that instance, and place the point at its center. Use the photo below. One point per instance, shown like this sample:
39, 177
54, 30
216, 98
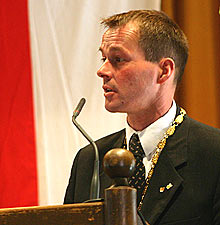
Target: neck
140, 120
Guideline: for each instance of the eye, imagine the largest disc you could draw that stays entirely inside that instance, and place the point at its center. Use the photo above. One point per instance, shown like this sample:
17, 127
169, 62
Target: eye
103, 59
118, 59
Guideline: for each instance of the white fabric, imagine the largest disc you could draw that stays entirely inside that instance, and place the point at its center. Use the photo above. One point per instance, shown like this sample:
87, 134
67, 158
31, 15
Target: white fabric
65, 37
151, 135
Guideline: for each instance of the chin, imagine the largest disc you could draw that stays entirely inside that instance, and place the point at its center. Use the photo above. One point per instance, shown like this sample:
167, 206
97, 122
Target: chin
114, 109
115, 106
109, 109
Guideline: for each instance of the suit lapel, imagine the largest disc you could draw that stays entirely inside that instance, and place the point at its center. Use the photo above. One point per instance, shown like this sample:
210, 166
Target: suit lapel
166, 180
163, 185
104, 145
110, 142
120, 140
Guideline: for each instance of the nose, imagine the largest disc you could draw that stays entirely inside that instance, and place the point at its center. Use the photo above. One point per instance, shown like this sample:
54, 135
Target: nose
105, 71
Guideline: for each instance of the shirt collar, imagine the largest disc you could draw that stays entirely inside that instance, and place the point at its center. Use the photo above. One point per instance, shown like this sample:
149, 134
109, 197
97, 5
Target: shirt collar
152, 134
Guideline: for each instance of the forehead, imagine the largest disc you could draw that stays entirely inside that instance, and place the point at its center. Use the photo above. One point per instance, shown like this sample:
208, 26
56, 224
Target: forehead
126, 36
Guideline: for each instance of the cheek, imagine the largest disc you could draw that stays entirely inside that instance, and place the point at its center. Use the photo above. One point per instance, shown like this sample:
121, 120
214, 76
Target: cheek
136, 80
129, 78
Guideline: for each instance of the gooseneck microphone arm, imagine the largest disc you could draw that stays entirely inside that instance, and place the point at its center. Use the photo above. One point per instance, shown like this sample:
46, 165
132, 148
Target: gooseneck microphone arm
95, 184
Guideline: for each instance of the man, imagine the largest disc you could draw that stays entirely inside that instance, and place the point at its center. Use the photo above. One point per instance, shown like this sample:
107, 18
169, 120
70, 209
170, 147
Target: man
144, 54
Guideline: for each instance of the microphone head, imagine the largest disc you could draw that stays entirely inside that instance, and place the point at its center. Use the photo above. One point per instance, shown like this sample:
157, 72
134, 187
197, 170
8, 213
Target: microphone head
78, 108
82, 101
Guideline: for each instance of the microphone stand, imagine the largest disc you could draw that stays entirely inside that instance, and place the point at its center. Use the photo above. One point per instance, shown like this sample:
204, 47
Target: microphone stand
95, 184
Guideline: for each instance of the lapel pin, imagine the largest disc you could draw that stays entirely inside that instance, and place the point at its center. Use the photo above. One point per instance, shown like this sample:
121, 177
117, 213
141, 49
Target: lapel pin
162, 189
170, 185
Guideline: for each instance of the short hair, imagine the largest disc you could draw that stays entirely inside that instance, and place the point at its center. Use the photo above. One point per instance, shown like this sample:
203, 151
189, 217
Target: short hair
159, 36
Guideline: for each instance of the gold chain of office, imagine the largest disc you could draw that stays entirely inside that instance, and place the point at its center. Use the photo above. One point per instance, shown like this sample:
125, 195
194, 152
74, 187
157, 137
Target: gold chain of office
160, 146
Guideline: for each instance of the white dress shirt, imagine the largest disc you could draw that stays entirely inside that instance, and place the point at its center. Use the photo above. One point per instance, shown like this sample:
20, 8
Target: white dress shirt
151, 135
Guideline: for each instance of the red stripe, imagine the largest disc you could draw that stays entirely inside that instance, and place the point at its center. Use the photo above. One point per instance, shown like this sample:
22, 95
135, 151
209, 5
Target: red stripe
18, 173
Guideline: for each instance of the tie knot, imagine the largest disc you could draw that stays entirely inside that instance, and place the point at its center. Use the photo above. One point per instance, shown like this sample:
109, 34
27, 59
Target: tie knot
135, 146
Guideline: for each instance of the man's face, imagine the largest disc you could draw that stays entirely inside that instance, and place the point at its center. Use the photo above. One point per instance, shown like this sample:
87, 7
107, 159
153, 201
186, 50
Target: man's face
129, 81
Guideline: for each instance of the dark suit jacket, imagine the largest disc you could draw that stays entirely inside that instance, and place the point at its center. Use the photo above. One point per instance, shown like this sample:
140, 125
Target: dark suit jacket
190, 161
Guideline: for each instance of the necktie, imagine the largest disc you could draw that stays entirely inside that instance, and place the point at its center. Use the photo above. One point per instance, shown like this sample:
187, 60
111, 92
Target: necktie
138, 179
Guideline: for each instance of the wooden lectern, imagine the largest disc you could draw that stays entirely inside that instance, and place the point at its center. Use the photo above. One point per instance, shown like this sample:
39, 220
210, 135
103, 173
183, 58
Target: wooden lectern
118, 208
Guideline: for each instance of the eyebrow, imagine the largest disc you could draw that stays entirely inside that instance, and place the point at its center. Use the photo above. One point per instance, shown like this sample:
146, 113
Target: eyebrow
112, 49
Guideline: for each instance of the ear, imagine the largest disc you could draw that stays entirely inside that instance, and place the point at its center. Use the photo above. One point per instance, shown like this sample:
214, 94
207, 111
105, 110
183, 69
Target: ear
167, 66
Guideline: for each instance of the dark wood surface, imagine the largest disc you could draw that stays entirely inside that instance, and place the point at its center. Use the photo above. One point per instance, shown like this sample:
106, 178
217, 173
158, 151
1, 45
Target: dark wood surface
120, 206
73, 214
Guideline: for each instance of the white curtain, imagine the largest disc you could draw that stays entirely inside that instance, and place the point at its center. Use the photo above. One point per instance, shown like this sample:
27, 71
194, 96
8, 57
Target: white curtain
65, 37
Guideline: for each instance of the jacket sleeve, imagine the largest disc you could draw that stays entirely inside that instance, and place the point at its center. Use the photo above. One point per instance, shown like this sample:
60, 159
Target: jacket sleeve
69, 196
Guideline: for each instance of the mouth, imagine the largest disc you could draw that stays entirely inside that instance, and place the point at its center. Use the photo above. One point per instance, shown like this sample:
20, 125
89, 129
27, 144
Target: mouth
107, 89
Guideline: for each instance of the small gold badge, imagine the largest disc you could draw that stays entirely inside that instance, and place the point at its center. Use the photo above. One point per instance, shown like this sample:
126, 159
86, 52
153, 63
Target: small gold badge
169, 186
162, 189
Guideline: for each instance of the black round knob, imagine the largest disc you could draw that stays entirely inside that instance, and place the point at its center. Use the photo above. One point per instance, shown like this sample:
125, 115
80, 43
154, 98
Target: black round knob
119, 163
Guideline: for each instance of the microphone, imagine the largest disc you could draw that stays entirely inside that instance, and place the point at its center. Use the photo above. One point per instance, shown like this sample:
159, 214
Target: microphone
79, 107
95, 184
